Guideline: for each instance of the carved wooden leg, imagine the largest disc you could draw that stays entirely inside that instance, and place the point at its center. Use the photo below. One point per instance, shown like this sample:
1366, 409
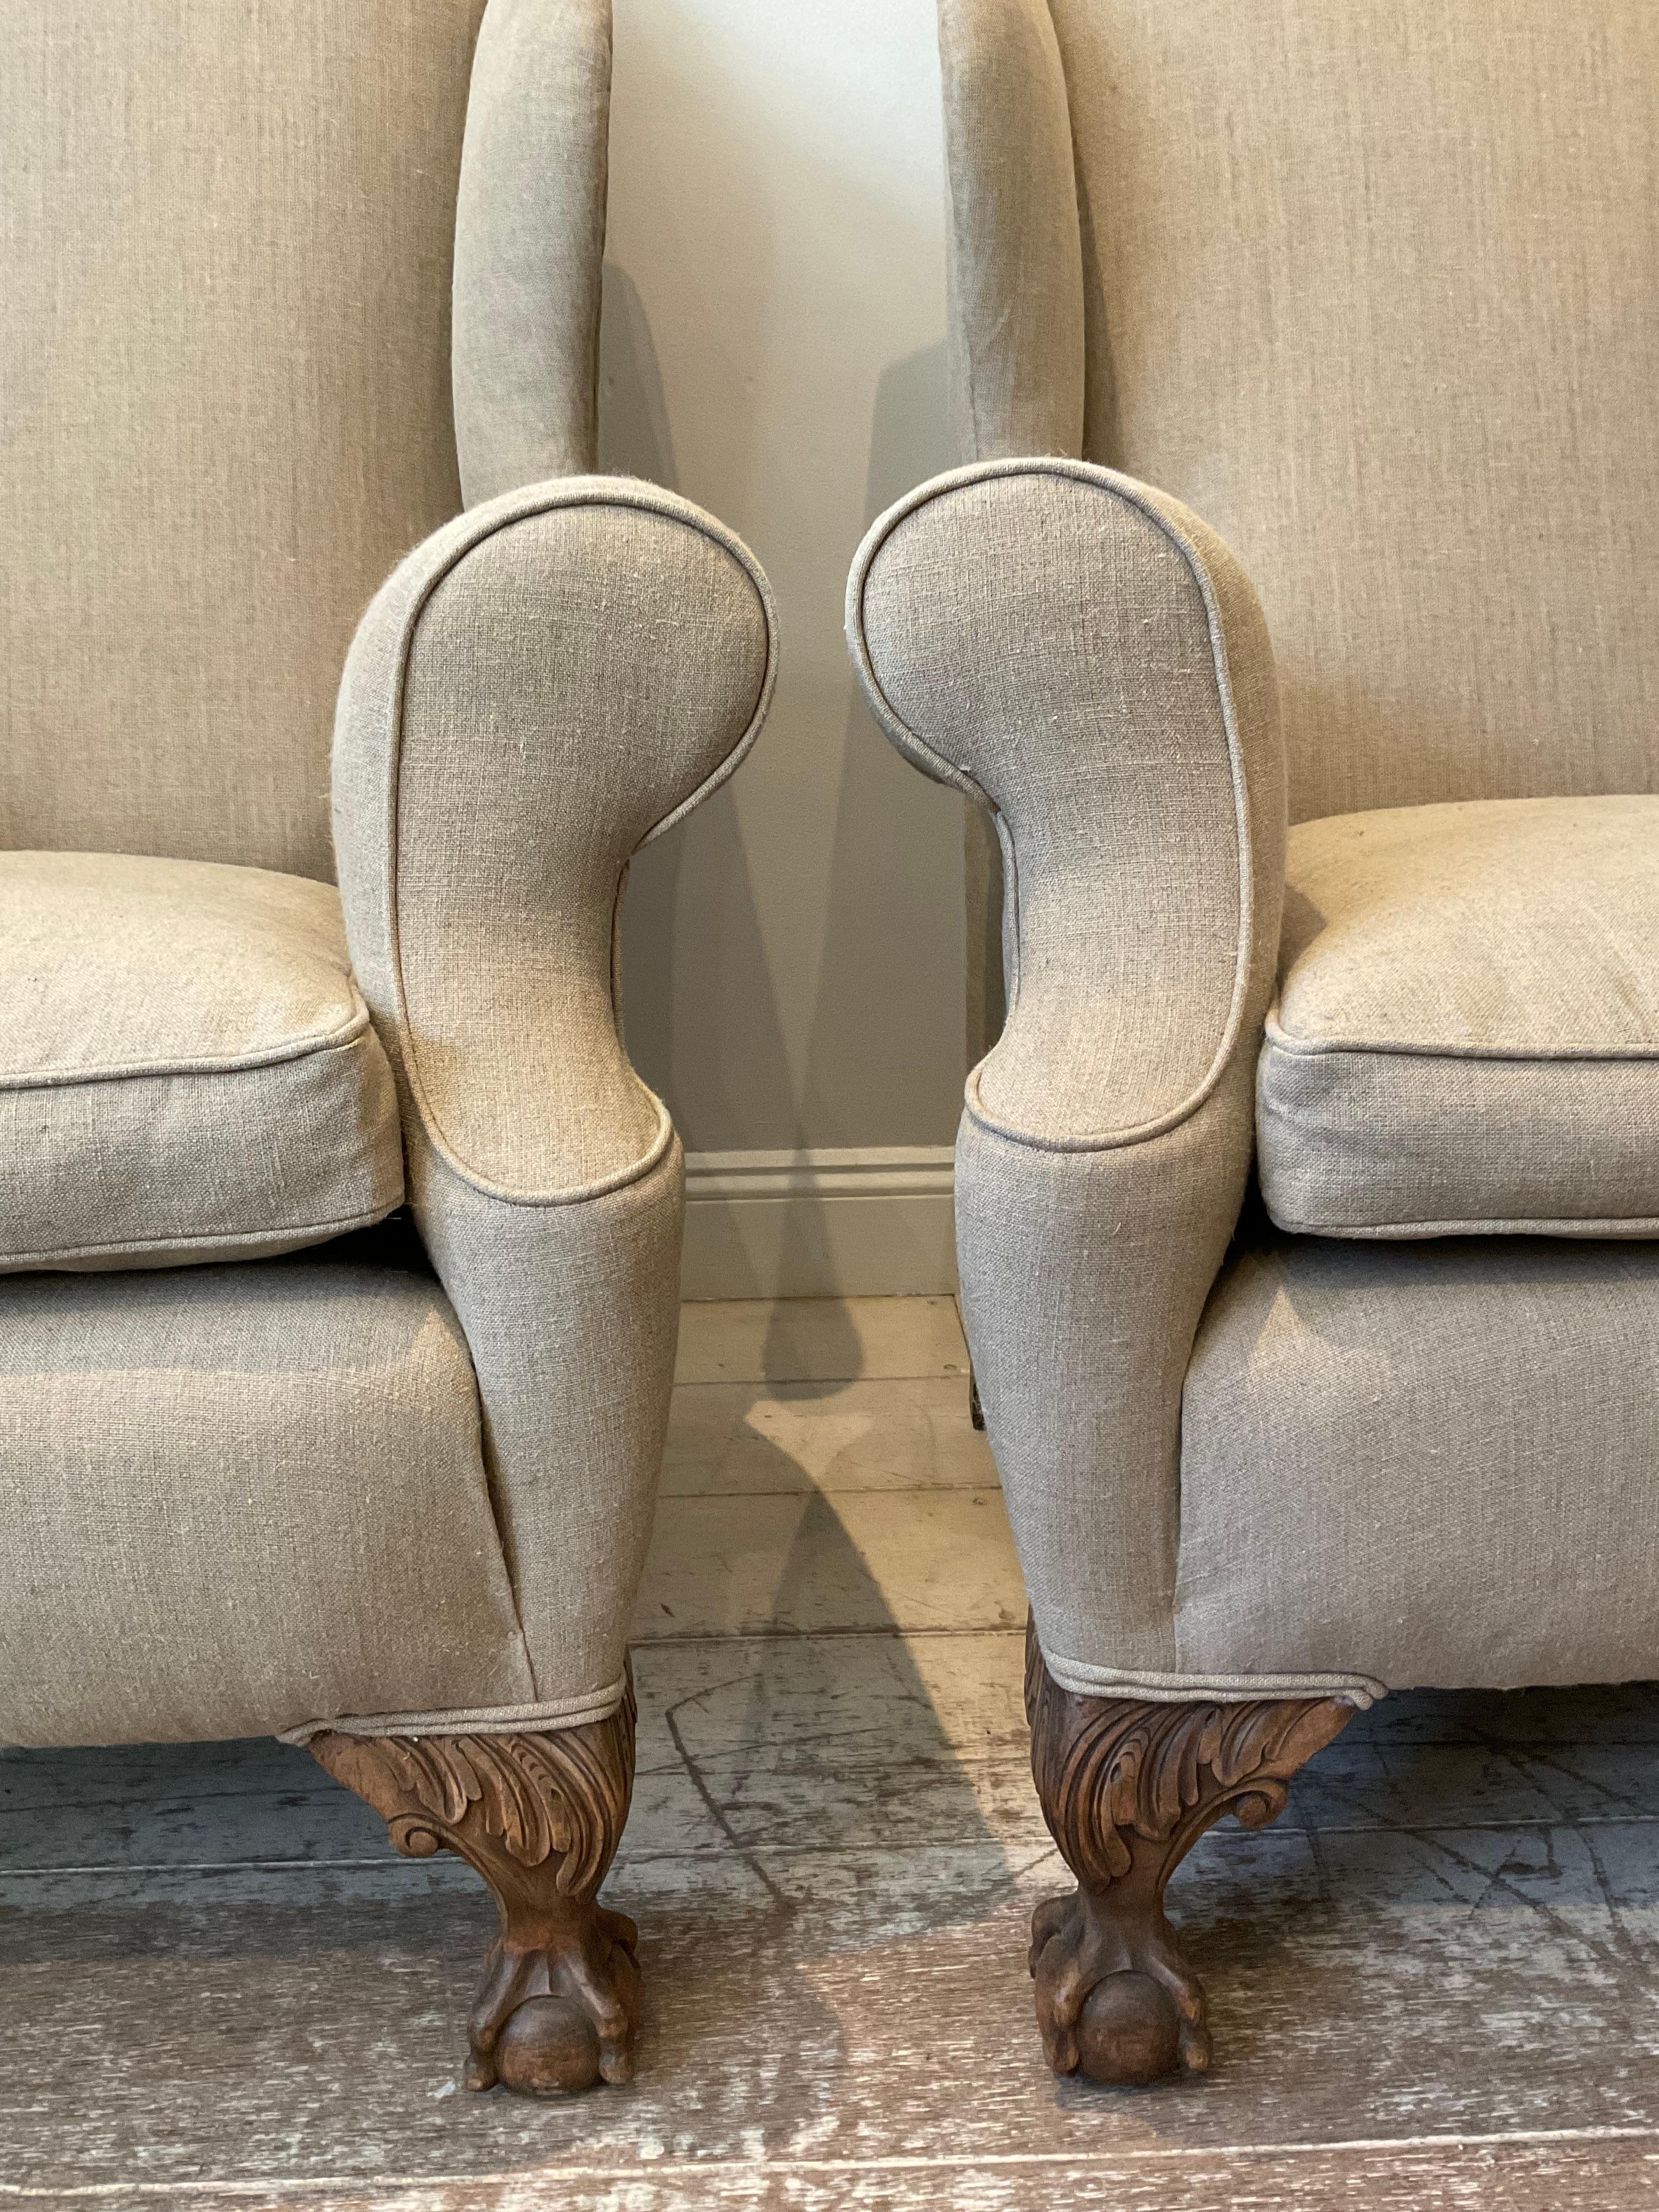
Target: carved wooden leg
539, 1817
1127, 1788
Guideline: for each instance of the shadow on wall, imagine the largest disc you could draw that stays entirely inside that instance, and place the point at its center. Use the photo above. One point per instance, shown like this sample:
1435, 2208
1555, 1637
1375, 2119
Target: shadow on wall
712, 904
850, 1101
665, 901
634, 438
875, 836
846, 1101
792, 954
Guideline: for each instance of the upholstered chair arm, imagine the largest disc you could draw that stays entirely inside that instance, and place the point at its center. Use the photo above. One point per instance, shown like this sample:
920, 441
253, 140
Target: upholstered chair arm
1084, 657
542, 686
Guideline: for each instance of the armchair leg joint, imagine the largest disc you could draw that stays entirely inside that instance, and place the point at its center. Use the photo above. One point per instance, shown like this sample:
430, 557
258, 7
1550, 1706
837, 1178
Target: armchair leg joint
539, 1816
1128, 1787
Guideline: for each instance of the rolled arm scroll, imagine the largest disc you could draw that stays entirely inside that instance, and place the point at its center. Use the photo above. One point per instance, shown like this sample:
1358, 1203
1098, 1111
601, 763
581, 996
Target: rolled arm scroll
1084, 657
542, 687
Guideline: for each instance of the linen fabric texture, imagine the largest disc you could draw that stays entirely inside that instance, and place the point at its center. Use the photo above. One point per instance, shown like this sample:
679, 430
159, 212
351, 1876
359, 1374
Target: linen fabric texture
530, 246
1373, 292
544, 686
229, 237
1466, 1035
1431, 1463
1372, 289
1086, 658
1014, 256
238, 1497
187, 1070
237, 396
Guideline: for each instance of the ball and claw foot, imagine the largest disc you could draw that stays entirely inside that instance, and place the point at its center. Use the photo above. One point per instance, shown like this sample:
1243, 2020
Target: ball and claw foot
1127, 1786
538, 1815
1117, 2011
558, 2017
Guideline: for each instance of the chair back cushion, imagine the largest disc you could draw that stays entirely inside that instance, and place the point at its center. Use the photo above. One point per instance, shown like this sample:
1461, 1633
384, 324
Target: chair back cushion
1375, 288
228, 234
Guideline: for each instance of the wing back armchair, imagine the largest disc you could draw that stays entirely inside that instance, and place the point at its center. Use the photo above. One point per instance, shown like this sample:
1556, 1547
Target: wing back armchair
301, 312
1304, 1204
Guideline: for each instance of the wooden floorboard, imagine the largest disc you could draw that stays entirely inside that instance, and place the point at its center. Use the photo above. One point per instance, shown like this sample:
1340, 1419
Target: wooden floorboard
858, 2005
1444, 2176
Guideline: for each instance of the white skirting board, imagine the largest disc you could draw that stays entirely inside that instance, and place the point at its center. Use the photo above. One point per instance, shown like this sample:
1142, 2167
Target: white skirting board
868, 1222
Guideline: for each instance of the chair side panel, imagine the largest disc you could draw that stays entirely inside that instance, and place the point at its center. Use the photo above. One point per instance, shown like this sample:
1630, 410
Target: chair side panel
239, 1499
1427, 1464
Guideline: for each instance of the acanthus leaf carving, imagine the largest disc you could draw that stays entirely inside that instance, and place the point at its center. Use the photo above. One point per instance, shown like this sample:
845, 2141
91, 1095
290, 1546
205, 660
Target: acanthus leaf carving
539, 1814
1127, 1786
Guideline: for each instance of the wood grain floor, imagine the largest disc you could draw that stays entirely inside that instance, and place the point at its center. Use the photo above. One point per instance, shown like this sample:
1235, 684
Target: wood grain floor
1435, 1983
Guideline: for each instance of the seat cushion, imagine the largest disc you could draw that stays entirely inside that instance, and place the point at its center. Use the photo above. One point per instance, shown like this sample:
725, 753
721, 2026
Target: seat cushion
187, 1070
1466, 1036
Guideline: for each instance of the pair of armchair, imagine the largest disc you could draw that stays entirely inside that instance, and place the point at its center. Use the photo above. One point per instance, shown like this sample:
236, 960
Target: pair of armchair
1308, 1205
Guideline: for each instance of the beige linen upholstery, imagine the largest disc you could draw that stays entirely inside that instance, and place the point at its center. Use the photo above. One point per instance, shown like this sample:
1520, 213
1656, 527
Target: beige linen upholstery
530, 244
1371, 289
535, 692
239, 1497
227, 235
1431, 1463
269, 267
1087, 659
1015, 267
1467, 1031
187, 1070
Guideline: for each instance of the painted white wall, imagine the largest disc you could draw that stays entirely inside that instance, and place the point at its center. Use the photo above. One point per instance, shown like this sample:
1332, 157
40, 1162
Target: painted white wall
773, 349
